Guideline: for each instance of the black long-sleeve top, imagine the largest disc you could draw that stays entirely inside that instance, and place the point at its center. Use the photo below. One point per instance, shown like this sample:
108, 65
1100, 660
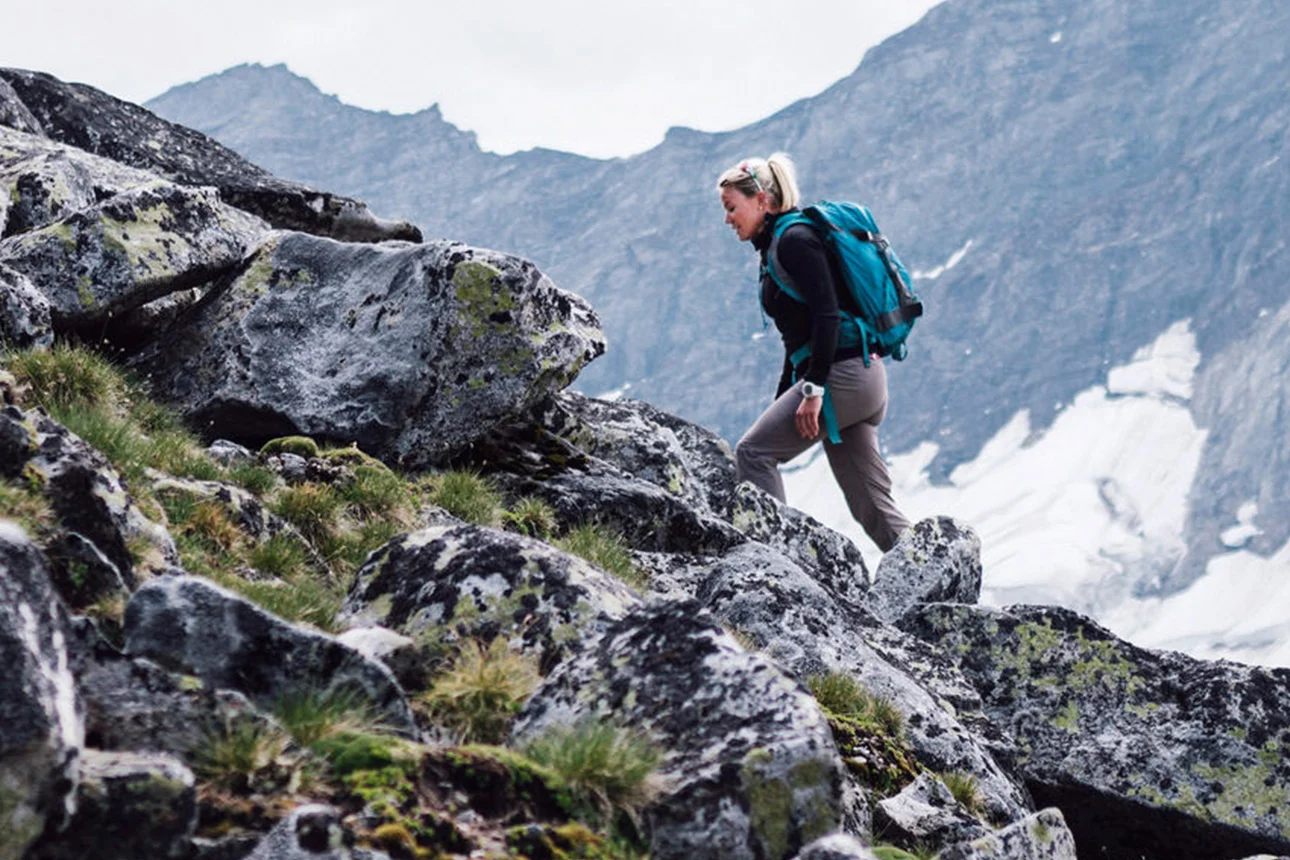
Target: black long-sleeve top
803, 257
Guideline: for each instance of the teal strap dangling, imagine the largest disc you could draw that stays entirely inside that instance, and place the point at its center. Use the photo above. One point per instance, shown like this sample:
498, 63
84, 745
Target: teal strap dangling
830, 418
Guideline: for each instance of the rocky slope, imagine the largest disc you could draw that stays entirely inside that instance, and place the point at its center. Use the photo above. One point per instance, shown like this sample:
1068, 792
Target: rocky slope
219, 653
1069, 179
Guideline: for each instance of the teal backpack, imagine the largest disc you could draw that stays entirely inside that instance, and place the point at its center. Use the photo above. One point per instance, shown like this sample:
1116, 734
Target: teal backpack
878, 308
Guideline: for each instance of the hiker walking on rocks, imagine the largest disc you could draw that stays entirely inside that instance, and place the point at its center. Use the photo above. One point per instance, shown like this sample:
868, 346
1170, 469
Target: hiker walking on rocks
827, 391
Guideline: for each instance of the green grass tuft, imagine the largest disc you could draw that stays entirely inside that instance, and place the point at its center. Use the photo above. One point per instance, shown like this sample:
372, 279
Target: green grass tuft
610, 771
483, 691
314, 509
301, 446
841, 694
966, 789
232, 756
467, 495
281, 556
606, 549
533, 517
68, 377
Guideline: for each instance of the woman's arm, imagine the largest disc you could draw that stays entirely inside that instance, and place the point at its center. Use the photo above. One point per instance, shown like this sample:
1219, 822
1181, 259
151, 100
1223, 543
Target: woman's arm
805, 259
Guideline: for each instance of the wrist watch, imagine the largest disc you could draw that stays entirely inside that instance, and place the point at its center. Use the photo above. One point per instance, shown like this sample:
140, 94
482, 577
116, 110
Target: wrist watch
810, 389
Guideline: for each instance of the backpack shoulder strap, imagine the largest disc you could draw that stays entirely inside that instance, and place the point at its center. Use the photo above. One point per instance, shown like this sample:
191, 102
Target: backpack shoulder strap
773, 267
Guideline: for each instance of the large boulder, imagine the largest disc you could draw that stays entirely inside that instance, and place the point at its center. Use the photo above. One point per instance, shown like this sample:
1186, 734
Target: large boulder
925, 814
412, 351
938, 560
14, 114
750, 767
190, 625
99, 262
481, 582
1147, 753
130, 806
94, 121
798, 622
42, 728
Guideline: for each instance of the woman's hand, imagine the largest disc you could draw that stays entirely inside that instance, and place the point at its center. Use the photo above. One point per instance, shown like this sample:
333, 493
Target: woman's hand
808, 417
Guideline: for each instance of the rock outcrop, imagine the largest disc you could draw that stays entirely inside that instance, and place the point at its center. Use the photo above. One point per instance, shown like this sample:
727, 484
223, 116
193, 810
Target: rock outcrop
412, 352
96, 122
1145, 752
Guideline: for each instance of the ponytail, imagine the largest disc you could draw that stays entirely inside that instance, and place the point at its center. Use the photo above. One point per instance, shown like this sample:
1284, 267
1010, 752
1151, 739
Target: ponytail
775, 175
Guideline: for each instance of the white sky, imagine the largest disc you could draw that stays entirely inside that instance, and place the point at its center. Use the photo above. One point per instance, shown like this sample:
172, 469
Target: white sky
597, 77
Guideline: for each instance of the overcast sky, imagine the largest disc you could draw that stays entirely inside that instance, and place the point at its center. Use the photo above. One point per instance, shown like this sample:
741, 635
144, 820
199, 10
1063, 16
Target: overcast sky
597, 77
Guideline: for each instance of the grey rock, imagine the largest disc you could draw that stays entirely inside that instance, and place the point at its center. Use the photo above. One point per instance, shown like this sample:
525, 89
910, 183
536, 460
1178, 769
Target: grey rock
925, 814
797, 622
836, 846
1146, 752
130, 806
42, 728
190, 625
135, 704
81, 573
833, 560
648, 517
689, 461
937, 561
228, 453
24, 312
412, 352
751, 769
86, 493
1042, 836
92, 120
142, 244
400, 653
14, 114
474, 581
311, 832
293, 468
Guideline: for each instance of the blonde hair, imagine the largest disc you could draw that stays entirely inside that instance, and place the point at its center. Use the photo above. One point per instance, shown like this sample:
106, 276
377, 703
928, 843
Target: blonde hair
777, 176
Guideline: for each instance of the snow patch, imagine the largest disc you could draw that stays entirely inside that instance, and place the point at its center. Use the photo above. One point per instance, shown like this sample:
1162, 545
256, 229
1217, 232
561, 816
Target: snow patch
1055, 37
1165, 368
953, 261
1244, 530
616, 393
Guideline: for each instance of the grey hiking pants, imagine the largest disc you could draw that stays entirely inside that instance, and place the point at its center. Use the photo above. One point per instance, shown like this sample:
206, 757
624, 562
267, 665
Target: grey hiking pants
860, 401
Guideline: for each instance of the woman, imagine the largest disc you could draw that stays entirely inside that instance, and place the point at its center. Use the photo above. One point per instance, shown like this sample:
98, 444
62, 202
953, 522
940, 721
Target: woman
755, 193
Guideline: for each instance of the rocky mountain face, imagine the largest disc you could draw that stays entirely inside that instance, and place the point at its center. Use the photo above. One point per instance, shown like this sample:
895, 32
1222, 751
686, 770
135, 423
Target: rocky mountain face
1096, 172
177, 687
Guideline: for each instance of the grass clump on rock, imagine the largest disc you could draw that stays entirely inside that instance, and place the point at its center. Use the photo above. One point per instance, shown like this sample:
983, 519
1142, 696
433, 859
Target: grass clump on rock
869, 732
966, 789
533, 517
606, 549
479, 696
466, 494
610, 772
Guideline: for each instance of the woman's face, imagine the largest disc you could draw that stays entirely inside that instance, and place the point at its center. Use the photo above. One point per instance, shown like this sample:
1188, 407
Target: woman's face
745, 214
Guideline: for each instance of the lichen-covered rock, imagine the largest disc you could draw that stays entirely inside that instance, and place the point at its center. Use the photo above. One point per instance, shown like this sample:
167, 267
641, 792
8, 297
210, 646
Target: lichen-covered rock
750, 766
925, 814
837, 846
311, 832
400, 653
14, 114
85, 492
1147, 753
24, 312
41, 725
647, 516
412, 352
81, 573
192, 626
135, 704
801, 625
690, 462
101, 261
937, 561
94, 121
833, 560
481, 582
1042, 836
130, 806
